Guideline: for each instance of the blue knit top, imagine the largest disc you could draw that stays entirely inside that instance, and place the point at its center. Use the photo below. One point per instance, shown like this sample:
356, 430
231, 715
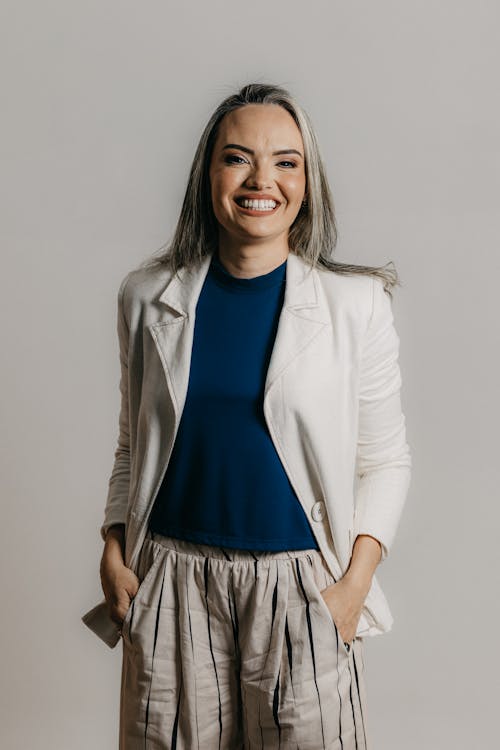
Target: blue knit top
225, 484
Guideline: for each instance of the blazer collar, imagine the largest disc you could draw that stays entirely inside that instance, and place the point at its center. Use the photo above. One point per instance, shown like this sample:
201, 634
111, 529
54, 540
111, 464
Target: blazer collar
302, 290
304, 314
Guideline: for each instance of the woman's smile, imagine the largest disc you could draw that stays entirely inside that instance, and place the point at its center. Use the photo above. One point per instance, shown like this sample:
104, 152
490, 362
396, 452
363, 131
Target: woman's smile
257, 208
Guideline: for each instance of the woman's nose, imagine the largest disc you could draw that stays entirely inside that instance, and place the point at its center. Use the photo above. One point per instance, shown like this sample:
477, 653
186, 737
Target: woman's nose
259, 178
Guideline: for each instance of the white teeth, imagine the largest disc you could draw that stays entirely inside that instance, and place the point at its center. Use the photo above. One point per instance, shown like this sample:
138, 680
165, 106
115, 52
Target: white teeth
266, 205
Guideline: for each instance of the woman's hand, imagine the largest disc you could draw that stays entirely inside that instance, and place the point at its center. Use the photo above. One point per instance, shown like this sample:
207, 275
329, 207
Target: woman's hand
344, 600
346, 597
119, 583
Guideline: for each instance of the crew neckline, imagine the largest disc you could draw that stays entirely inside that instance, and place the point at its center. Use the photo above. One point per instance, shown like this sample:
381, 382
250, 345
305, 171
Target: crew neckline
223, 277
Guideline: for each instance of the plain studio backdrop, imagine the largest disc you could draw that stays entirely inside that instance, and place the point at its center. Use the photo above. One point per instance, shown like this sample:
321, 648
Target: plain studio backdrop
102, 107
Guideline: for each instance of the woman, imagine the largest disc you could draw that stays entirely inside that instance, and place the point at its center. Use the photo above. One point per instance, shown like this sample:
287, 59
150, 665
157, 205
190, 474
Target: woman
262, 463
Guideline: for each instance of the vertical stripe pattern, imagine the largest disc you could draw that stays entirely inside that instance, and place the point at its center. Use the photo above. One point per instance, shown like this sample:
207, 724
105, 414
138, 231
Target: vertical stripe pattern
228, 649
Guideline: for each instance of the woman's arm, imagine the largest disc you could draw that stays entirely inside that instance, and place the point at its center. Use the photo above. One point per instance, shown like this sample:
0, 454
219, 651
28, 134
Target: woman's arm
366, 555
383, 462
116, 504
383, 465
114, 545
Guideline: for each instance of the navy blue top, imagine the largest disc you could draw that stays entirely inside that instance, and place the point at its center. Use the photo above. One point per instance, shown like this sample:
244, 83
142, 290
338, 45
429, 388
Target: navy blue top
225, 484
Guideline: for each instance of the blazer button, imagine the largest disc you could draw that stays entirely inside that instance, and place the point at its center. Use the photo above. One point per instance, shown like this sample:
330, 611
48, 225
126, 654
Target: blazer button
318, 511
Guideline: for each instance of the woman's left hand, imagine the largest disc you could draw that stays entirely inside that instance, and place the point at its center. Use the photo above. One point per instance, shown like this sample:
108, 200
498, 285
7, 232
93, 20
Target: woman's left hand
345, 600
346, 597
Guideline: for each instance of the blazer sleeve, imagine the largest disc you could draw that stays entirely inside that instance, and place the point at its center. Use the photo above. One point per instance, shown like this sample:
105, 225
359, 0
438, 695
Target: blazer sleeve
119, 482
383, 460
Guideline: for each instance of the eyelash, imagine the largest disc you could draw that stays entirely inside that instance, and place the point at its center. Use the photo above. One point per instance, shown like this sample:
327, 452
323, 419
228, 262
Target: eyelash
234, 156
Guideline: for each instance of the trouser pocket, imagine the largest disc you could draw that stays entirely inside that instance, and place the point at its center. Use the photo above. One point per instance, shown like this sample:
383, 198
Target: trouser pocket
149, 560
320, 578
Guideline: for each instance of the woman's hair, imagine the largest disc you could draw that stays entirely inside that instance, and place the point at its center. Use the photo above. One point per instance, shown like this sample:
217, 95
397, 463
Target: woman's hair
313, 234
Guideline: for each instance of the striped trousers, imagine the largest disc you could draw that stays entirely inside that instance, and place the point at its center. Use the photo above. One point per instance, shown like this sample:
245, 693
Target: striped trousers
228, 649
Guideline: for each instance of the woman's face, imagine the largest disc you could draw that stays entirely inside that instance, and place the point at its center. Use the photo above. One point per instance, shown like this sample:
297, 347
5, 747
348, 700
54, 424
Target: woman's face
245, 164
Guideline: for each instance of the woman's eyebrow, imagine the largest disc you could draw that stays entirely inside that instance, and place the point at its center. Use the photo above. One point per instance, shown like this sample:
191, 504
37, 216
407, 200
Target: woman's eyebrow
275, 153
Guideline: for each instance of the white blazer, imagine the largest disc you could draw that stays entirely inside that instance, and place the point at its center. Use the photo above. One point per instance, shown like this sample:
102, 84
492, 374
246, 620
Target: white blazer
331, 403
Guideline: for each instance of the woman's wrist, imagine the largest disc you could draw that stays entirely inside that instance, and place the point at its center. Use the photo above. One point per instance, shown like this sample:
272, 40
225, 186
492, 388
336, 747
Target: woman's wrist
366, 555
114, 545
359, 580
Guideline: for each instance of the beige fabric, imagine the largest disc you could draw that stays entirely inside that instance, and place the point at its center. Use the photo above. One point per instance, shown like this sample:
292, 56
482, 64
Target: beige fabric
230, 649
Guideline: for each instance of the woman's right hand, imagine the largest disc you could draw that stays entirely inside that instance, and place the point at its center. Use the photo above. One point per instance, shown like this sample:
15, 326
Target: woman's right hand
119, 583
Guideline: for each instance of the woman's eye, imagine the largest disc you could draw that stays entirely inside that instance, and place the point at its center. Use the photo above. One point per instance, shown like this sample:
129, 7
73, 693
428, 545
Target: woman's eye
229, 159
233, 157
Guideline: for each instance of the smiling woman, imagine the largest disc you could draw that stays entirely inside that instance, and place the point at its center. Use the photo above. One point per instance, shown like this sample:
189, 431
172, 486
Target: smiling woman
256, 194
262, 463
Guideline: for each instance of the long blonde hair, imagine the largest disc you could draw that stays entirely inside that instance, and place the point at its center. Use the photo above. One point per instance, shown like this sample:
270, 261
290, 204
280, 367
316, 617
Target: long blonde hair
313, 234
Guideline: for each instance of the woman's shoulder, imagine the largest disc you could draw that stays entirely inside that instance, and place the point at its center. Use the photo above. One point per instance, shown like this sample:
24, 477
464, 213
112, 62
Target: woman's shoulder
347, 283
143, 283
352, 293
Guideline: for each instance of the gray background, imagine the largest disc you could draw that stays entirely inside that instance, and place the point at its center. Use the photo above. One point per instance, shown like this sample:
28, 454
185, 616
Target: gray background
102, 106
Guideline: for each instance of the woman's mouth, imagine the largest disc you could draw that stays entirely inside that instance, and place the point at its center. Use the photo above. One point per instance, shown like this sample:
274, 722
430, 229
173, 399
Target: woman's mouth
257, 207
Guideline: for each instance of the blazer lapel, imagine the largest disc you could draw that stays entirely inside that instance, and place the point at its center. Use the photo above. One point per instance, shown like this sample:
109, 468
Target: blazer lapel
173, 333
302, 317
